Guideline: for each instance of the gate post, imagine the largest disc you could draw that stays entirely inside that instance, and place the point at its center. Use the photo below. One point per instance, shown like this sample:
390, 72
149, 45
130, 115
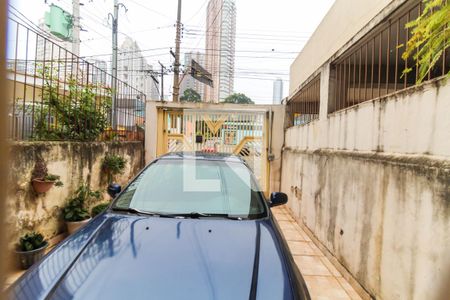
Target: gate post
151, 131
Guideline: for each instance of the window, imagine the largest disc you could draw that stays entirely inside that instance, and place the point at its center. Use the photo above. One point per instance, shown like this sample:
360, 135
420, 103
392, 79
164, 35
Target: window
185, 186
304, 106
374, 66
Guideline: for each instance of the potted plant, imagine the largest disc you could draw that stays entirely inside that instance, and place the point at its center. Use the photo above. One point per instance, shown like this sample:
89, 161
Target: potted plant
113, 165
41, 180
30, 249
75, 213
98, 209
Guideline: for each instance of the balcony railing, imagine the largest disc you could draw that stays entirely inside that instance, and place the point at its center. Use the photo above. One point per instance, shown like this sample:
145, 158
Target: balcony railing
374, 67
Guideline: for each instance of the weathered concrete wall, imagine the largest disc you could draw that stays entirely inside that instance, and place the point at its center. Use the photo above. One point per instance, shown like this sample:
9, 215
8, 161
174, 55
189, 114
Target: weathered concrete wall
76, 163
414, 121
385, 218
372, 183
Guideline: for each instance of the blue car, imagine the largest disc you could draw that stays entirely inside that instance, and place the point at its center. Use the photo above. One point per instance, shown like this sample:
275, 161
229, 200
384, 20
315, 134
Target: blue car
189, 226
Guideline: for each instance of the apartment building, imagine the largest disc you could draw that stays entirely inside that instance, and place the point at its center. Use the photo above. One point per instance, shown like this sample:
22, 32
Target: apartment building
220, 48
132, 68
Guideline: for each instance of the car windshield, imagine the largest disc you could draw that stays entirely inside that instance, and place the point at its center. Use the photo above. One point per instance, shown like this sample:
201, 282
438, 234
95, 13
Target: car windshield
208, 187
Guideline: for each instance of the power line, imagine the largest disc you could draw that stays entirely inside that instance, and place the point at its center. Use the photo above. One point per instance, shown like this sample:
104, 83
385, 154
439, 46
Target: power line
28, 23
197, 12
263, 30
152, 10
200, 49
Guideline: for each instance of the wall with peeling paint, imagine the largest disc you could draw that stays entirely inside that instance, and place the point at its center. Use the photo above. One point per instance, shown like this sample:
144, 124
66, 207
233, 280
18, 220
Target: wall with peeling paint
372, 183
76, 163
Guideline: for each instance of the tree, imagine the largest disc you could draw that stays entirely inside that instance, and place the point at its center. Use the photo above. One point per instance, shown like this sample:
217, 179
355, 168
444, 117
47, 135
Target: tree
190, 95
430, 36
238, 98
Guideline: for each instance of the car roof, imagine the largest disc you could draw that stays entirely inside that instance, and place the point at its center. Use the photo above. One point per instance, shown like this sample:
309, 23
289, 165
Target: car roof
200, 155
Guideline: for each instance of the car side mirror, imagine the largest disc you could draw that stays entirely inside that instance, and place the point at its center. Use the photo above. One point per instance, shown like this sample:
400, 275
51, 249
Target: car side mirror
114, 189
278, 199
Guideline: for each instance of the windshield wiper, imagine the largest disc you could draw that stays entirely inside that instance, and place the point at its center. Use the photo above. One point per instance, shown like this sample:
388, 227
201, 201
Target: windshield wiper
197, 215
142, 212
192, 215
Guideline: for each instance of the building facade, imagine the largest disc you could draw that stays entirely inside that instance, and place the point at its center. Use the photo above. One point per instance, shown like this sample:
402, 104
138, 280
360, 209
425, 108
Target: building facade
100, 71
277, 91
364, 149
220, 48
190, 82
132, 68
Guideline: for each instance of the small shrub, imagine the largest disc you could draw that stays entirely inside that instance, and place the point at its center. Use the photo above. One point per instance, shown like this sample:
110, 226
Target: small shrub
31, 241
75, 210
98, 209
113, 165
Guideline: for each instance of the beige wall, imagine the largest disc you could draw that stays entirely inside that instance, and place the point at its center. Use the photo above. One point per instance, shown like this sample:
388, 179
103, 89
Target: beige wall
75, 163
341, 25
372, 184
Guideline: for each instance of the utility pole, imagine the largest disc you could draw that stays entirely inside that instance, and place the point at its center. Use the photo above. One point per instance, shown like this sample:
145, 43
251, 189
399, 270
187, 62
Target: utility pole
115, 27
76, 27
176, 66
162, 81
115, 24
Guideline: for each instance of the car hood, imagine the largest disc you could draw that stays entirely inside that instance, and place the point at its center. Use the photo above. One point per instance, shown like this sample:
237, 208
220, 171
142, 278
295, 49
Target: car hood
134, 257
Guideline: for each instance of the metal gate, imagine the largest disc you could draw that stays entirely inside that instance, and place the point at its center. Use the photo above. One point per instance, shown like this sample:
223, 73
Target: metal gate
243, 133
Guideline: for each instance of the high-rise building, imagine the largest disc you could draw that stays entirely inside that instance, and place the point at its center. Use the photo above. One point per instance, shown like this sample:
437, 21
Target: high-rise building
220, 46
277, 91
99, 72
190, 82
133, 69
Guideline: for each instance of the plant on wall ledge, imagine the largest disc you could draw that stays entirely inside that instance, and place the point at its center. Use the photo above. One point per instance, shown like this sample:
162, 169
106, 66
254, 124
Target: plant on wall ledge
430, 37
30, 249
75, 212
113, 165
41, 180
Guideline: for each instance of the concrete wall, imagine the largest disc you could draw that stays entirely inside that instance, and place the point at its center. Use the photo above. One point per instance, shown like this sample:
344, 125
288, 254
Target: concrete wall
385, 218
372, 183
346, 22
75, 163
414, 121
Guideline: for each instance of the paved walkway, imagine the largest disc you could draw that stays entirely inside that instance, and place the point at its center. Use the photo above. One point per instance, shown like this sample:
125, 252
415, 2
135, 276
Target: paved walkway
323, 280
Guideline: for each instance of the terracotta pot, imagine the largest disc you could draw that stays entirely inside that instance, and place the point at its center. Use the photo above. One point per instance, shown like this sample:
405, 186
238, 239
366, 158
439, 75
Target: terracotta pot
41, 186
74, 226
28, 258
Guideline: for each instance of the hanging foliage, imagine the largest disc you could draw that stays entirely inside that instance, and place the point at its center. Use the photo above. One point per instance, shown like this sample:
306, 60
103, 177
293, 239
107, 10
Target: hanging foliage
430, 37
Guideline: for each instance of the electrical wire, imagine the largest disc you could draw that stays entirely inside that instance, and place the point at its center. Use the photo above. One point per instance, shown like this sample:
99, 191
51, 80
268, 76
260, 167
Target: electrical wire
152, 10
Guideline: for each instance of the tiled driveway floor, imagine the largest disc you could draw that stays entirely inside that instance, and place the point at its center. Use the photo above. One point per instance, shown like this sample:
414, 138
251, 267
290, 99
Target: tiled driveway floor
322, 279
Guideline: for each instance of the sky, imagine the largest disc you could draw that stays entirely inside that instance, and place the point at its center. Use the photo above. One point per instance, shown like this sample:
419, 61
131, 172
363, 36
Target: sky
269, 34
